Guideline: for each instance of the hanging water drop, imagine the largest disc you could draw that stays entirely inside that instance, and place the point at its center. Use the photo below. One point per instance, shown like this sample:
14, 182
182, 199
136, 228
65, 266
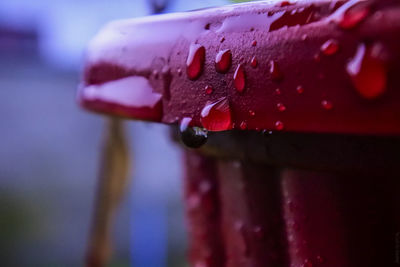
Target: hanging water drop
193, 137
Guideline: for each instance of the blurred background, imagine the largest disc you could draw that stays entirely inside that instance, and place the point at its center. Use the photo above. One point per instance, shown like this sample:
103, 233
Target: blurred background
50, 148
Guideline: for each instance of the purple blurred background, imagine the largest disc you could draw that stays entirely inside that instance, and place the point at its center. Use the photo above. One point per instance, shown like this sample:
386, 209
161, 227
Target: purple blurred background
49, 148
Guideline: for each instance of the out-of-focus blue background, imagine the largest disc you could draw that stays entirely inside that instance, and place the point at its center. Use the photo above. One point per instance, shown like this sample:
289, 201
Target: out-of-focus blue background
49, 147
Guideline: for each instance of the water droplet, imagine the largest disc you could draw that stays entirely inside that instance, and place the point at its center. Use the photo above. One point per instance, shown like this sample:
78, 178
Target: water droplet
281, 107
367, 70
351, 14
300, 89
223, 61
330, 47
293, 17
209, 89
254, 43
254, 62
185, 124
252, 113
195, 61
285, 3
193, 137
216, 116
326, 104
296, 226
243, 125
239, 78
275, 71
279, 125
277, 91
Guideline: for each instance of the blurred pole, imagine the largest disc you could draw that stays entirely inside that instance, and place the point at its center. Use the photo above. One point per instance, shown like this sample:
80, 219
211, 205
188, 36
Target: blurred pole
149, 231
113, 177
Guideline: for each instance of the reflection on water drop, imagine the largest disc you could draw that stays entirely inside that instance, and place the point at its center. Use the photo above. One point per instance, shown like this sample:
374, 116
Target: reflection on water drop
326, 104
254, 62
351, 14
216, 116
300, 89
275, 71
279, 125
208, 89
285, 3
330, 47
223, 61
193, 137
367, 70
239, 78
195, 61
281, 107
243, 125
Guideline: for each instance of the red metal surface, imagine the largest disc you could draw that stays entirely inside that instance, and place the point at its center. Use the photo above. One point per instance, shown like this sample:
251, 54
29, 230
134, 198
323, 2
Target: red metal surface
348, 85
340, 219
252, 222
203, 211
288, 217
